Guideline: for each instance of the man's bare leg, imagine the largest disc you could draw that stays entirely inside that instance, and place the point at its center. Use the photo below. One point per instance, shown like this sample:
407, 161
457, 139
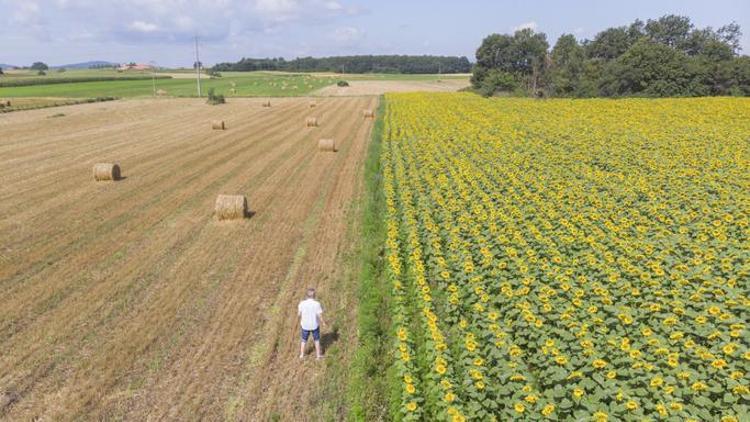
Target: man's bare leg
318, 352
302, 350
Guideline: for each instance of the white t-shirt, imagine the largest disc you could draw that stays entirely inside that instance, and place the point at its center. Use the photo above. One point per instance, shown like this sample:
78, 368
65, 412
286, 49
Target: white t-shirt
309, 310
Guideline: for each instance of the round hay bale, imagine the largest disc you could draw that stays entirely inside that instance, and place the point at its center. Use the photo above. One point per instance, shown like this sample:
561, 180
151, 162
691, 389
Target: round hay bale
217, 125
311, 122
106, 171
266, 103
328, 145
368, 114
161, 92
231, 207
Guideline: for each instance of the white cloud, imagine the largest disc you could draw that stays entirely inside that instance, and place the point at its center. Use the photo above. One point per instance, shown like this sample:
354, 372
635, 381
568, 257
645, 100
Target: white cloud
26, 13
184, 23
141, 26
279, 10
348, 35
333, 5
578, 30
526, 25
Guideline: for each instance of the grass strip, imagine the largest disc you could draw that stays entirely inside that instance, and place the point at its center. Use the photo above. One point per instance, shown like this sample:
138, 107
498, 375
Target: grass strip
368, 382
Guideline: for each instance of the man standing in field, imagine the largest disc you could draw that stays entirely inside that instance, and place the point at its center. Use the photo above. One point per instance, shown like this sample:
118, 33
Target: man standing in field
311, 317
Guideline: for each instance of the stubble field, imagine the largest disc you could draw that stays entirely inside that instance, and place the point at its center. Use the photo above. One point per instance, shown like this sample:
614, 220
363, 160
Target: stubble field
127, 299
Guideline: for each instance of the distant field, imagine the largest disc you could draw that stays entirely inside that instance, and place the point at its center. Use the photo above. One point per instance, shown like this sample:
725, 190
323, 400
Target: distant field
245, 84
382, 86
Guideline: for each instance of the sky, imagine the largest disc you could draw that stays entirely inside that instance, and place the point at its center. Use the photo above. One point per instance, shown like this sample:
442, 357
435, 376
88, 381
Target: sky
161, 31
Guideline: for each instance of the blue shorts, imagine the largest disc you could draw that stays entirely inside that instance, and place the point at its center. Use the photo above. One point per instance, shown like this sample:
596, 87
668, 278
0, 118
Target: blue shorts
306, 334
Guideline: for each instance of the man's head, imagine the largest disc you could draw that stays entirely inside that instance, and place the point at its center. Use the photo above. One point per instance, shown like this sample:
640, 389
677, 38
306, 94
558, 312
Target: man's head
310, 293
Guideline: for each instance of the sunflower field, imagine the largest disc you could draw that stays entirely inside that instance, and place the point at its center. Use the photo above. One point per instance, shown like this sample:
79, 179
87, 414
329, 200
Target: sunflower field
568, 259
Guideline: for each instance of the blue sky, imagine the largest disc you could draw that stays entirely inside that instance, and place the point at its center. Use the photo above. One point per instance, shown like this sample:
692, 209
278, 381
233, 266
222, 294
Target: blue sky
66, 31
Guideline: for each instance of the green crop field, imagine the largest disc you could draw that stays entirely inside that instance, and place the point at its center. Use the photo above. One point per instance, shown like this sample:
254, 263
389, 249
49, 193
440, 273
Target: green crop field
244, 84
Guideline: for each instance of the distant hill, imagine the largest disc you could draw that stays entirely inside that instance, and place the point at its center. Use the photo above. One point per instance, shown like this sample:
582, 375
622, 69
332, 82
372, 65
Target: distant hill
86, 65
6, 66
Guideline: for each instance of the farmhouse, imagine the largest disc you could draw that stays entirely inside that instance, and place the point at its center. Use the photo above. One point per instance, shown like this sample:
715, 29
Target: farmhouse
134, 66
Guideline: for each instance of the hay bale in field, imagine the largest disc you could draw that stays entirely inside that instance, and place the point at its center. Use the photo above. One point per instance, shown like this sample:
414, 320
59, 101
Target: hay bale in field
106, 171
368, 114
218, 125
328, 145
231, 207
313, 104
311, 122
161, 92
266, 103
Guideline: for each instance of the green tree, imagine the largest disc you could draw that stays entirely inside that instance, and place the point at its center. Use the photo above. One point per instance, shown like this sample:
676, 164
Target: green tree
731, 35
613, 42
521, 55
566, 66
741, 76
670, 30
40, 66
648, 68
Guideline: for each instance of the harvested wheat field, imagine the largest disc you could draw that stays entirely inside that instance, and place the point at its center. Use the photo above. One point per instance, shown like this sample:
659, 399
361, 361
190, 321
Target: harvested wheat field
357, 88
130, 300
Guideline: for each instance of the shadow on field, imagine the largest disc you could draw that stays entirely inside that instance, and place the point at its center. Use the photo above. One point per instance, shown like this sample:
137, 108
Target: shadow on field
327, 339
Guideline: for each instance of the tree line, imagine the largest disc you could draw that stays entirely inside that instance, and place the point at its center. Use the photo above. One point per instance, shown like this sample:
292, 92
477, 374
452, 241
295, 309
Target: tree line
668, 56
354, 64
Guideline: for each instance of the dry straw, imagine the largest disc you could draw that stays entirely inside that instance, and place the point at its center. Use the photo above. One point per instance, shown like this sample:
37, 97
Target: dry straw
311, 122
231, 207
328, 145
368, 114
161, 92
266, 103
218, 125
313, 104
106, 171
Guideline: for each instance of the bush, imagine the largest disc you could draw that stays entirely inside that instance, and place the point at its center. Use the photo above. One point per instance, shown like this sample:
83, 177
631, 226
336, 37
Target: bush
41, 73
214, 98
497, 81
342, 83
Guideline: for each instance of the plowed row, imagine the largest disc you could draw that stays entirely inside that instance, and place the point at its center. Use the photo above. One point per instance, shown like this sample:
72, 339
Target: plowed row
127, 299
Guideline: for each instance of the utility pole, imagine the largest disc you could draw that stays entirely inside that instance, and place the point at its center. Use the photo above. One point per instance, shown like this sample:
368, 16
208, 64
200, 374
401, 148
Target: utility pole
197, 66
153, 75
